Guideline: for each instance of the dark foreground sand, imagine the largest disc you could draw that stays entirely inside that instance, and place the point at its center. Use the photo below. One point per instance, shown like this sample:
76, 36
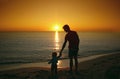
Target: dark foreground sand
105, 67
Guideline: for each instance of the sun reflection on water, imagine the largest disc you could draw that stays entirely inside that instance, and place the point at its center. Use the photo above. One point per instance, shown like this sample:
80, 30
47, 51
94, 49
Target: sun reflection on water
59, 63
56, 40
57, 47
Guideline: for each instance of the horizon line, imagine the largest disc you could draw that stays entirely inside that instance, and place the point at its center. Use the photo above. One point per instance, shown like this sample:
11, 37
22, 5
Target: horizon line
59, 31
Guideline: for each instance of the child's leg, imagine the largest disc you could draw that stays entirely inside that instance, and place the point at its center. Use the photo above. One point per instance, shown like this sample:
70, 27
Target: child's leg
52, 70
56, 69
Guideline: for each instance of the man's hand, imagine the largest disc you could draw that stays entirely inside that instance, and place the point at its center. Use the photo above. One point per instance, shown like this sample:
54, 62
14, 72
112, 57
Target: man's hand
60, 55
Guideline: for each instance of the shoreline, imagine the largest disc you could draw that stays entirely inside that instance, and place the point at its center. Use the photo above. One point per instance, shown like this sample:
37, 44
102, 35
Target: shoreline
105, 66
61, 64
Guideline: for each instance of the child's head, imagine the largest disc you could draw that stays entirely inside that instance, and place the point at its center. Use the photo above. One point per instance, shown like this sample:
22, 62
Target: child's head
54, 54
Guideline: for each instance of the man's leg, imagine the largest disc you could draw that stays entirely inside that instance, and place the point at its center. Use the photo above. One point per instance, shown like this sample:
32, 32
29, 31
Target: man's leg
76, 63
71, 63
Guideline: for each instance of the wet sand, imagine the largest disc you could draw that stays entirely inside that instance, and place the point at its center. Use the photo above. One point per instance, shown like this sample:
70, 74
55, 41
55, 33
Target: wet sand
106, 66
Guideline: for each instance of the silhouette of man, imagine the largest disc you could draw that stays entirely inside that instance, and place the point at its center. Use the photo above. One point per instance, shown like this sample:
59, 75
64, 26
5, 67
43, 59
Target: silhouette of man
73, 39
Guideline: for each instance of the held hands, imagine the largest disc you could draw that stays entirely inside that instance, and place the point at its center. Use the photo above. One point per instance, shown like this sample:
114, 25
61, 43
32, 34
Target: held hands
60, 54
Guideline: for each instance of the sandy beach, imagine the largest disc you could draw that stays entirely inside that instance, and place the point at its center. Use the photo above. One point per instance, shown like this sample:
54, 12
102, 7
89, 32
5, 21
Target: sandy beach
106, 66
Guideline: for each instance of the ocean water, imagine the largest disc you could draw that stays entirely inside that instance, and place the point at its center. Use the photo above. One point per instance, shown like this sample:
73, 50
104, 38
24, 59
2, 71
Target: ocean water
32, 47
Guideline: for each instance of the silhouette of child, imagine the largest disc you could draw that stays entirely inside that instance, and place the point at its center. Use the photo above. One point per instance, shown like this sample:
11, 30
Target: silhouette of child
53, 63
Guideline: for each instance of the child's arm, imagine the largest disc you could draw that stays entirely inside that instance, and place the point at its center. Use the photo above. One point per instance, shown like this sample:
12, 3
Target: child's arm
50, 61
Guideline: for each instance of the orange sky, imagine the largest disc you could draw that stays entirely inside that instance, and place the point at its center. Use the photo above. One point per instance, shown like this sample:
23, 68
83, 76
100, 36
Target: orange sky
43, 15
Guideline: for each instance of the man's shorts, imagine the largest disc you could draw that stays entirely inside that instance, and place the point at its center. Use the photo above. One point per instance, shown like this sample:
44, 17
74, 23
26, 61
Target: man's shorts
73, 53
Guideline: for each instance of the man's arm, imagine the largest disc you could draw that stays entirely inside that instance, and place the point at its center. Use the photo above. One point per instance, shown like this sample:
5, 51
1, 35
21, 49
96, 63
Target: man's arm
64, 44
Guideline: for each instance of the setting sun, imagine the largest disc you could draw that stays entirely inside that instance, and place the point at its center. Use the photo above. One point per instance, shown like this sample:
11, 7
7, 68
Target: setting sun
56, 28
49, 15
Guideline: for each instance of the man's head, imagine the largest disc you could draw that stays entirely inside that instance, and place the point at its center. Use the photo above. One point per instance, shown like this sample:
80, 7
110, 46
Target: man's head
66, 28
